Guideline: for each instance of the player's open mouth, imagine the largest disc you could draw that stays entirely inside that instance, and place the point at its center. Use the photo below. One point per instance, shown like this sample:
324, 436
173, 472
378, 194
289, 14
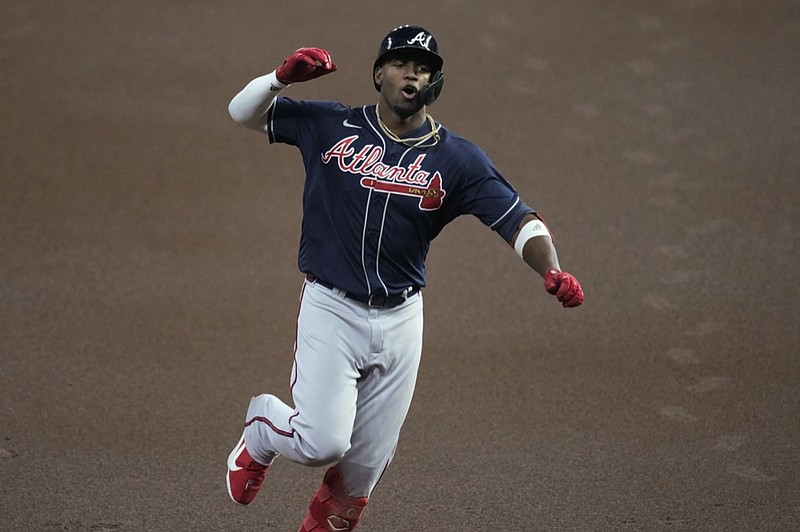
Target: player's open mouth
410, 92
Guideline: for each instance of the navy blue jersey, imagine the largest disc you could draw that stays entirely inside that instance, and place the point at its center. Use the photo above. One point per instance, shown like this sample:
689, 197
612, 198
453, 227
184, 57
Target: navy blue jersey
372, 206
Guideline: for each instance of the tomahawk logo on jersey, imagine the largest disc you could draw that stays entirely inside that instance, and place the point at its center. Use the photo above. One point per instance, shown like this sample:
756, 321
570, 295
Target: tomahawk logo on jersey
411, 180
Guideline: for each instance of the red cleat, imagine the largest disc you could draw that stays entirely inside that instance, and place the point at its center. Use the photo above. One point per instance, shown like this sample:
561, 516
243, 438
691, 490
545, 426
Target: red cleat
245, 475
331, 508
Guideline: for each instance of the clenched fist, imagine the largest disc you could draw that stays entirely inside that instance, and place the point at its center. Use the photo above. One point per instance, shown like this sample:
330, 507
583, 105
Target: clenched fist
305, 64
565, 287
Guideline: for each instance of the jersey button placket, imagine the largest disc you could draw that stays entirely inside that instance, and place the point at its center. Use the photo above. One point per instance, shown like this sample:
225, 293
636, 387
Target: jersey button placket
371, 240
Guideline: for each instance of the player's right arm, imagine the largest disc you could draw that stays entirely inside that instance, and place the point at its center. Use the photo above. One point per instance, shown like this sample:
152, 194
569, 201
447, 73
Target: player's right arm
249, 107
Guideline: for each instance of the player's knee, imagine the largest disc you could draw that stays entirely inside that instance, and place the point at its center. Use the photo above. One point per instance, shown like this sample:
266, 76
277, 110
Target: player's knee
324, 452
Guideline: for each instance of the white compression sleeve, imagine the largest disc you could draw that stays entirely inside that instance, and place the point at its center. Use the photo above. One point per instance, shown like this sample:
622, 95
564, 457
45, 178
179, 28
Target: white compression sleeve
249, 107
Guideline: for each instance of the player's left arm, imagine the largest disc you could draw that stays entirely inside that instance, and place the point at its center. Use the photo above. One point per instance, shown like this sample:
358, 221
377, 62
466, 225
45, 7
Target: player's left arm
534, 243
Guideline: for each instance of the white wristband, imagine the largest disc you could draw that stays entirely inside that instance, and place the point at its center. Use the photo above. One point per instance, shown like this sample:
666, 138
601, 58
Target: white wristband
274, 84
530, 230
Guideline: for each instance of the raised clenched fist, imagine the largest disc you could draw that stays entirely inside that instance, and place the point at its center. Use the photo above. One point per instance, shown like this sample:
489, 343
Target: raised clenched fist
565, 287
305, 64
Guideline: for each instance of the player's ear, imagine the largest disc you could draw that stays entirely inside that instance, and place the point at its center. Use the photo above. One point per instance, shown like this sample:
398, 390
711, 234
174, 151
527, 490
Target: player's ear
378, 76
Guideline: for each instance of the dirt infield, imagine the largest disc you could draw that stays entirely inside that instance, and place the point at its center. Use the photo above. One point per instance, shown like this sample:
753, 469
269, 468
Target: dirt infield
148, 281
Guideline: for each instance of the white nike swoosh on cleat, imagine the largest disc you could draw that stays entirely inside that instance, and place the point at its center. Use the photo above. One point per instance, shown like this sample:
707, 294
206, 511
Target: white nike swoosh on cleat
346, 123
234, 455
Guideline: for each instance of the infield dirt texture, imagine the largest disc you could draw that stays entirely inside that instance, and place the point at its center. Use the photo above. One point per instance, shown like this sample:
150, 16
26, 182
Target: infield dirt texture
148, 281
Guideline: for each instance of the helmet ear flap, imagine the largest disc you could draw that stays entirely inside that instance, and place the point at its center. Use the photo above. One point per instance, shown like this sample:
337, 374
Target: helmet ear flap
431, 91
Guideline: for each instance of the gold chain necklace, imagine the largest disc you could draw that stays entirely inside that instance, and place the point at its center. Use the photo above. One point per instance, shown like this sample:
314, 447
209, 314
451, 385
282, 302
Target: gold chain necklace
434, 132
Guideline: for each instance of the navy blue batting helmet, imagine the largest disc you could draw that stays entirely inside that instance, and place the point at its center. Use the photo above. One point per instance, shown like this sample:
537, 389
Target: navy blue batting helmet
414, 38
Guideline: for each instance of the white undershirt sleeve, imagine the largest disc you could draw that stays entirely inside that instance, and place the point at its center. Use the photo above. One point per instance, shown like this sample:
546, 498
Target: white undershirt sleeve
249, 107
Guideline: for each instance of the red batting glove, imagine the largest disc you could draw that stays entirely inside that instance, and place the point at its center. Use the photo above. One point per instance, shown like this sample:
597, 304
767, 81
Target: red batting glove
565, 287
305, 64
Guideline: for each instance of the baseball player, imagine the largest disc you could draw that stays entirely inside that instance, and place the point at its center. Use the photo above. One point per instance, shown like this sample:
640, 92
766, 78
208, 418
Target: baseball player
381, 182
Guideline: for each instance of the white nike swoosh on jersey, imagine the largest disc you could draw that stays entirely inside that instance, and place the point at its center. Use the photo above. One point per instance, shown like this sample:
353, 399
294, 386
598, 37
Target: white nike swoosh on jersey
348, 124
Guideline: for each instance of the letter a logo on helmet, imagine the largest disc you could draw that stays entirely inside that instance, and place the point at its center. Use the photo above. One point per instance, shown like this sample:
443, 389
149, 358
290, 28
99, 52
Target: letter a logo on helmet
424, 39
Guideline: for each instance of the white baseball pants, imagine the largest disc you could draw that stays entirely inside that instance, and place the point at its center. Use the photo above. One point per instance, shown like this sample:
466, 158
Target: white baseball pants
353, 378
